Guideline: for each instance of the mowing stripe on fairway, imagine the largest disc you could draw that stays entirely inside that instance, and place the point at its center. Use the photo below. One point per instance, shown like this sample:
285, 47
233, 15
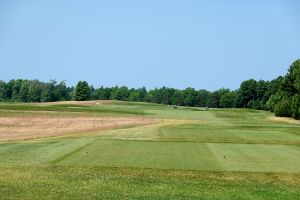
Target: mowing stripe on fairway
188, 156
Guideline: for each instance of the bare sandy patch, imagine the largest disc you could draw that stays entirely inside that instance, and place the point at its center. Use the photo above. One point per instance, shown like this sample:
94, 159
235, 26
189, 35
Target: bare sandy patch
284, 120
32, 127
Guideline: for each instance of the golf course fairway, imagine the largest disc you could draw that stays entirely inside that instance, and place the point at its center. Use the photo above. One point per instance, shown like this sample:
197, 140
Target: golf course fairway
122, 150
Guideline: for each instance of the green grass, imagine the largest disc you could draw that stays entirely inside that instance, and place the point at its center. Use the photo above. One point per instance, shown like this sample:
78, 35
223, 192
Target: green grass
125, 183
187, 156
154, 154
180, 157
37, 152
229, 134
68, 108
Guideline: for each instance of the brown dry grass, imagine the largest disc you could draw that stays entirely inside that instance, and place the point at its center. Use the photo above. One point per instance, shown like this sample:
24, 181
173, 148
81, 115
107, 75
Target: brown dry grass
40, 126
284, 120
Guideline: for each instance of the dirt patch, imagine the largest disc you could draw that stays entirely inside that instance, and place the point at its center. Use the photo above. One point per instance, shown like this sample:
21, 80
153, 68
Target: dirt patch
31, 127
284, 120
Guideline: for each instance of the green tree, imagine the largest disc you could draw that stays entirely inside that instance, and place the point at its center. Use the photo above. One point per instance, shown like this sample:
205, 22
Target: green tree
24, 91
34, 91
274, 86
153, 96
9, 89
215, 97
82, 91
202, 98
104, 93
162, 95
296, 106
190, 97
291, 83
2, 90
47, 94
255, 104
166, 95
61, 92
228, 100
261, 89
142, 94
291, 90
273, 100
178, 98
121, 93
16, 87
139, 94
134, 95
247, 92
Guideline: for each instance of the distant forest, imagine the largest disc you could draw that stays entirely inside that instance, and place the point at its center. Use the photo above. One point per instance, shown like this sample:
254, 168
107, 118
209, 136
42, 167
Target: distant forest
280, 95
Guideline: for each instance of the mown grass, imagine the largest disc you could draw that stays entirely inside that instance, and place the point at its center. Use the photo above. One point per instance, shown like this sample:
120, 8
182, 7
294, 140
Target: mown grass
180, 157
153, 154
187, 156
37, 152
251, 134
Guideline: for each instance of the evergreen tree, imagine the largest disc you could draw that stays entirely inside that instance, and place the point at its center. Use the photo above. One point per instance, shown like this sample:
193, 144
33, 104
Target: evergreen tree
82, 91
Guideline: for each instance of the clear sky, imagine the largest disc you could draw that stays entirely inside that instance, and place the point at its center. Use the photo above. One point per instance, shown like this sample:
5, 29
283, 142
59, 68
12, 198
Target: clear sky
201, 44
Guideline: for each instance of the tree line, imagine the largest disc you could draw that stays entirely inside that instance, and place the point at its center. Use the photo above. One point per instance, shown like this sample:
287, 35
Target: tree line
280, 95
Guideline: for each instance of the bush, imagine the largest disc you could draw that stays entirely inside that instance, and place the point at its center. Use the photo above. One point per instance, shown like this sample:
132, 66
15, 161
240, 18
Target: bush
283, 108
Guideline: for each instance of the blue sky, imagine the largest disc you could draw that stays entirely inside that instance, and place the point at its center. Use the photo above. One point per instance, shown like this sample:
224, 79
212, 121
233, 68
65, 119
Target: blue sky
201, 44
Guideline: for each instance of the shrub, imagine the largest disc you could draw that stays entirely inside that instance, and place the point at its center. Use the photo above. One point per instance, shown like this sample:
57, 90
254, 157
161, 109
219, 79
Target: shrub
283, 108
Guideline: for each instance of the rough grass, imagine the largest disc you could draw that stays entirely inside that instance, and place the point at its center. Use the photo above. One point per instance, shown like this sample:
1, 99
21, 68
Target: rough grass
285, 120
127, 183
